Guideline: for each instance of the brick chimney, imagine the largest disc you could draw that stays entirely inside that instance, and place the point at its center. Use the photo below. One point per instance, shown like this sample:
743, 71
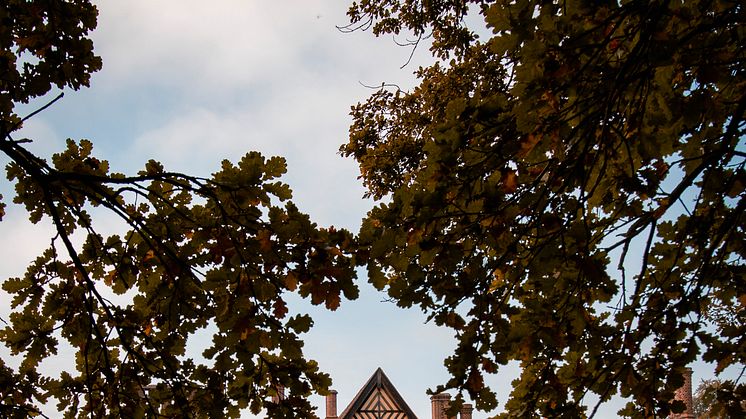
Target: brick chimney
466, 410
440, 403
331, 405
684, 394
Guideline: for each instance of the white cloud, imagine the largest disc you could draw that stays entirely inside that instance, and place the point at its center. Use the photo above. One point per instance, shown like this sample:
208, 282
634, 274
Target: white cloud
303, 121
45, 139
214, 47
21, 241
174, 41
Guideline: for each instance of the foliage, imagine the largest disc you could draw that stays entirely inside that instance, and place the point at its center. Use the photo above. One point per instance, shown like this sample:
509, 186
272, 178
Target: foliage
715, 399
567, 194
202, 261
44, 44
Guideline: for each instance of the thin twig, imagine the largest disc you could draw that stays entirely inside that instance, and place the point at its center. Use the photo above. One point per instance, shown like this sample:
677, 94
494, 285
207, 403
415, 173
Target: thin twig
39, 110
381, 87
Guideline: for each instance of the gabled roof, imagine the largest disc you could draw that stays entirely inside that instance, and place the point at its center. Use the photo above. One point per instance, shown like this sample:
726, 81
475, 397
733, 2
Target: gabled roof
378, 399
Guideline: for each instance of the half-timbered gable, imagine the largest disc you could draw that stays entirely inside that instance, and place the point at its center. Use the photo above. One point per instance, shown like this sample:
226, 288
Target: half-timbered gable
378, 399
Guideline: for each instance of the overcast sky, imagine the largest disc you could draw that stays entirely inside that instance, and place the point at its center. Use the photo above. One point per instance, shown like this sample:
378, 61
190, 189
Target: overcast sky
190, 83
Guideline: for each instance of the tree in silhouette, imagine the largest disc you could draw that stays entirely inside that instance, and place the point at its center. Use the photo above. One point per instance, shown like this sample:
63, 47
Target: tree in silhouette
200, 258
566, 193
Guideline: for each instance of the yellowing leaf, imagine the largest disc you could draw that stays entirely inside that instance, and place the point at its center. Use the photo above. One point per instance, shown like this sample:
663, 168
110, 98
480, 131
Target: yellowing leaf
246, 331
498, 281
109, 278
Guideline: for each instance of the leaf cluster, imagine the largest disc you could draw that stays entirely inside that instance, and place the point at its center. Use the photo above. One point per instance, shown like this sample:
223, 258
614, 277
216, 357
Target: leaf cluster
567, 195
716, 399
440, 20
43, 44
199, 263
202, 257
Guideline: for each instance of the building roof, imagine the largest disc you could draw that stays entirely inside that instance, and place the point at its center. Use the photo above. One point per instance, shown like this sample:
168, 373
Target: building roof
378, 399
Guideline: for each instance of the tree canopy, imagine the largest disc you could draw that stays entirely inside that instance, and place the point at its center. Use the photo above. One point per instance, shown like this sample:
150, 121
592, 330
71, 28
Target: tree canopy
200, 257
706, 400
566, 193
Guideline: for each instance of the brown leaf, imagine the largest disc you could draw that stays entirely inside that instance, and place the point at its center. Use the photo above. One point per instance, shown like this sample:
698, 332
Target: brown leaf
475, 382
528, 144
509, 182
264, 239
148, 256
109, 278
291, 281
332, 300
280, 309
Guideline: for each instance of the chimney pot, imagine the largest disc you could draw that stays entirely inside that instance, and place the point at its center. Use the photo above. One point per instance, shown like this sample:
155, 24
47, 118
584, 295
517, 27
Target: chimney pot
331, 405
440, 403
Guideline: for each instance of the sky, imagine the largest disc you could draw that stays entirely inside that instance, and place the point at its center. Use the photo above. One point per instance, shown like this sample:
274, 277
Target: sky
190, 83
